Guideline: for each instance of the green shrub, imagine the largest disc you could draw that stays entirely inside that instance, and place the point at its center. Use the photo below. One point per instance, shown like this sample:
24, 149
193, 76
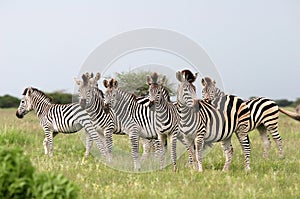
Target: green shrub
49, 185
19, 180
16, 173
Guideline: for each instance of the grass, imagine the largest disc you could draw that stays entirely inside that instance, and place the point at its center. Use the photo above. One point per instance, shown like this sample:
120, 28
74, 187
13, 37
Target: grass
268, 178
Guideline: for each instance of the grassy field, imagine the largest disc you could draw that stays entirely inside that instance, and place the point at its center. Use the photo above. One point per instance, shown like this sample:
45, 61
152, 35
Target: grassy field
268, 178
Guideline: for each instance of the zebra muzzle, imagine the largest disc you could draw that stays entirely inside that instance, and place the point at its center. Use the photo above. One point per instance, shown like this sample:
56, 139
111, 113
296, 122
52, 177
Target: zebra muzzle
20, 116
83, 103
196, 105
151, 105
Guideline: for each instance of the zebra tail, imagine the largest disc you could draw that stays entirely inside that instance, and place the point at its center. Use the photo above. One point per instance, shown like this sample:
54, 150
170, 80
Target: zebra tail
293, 115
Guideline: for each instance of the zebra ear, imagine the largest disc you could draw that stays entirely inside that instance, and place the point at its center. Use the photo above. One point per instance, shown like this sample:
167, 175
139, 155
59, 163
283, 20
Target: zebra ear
148, 80
105, 83
115, 84
163, 80
203, 82
195, 76
214, 82
179, 76
98, 76
78, 82
29, 91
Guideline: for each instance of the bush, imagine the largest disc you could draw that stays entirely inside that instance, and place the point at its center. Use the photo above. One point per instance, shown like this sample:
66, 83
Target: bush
49, 185
18, 179
16, 172
8, 101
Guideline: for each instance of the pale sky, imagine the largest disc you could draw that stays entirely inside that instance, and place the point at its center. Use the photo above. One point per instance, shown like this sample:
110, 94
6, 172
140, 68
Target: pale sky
255, 45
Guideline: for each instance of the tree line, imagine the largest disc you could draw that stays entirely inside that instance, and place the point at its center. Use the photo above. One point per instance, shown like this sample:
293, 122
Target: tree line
133, 82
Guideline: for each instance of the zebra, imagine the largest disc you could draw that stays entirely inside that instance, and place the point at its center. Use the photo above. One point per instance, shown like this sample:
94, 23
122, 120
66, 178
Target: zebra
263, 114
91, 98
203, 124
167, 116
58, 118
136, 119
209, 90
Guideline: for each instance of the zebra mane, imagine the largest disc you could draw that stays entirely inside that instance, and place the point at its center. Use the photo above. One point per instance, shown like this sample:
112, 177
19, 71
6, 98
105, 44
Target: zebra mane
188, 75
38, 91
207, 81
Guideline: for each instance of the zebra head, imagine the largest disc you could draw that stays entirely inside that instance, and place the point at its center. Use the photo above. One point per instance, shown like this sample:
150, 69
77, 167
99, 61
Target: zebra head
186, 93
111, 93
25, 103
155, 88
209, 88
86, 87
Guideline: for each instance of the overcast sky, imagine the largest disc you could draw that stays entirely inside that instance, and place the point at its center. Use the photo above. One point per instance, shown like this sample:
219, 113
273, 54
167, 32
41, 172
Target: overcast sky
255, 46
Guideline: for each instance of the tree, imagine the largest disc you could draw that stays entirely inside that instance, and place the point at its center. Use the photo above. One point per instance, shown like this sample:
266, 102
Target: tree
283, 102
8, 101
135, 82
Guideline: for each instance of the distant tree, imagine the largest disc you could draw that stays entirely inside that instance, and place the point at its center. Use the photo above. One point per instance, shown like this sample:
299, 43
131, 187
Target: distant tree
283, 102
59, 97
8, 101
297, 102
135, 82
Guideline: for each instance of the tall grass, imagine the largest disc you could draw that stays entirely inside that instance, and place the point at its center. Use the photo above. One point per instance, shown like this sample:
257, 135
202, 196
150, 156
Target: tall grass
268, 178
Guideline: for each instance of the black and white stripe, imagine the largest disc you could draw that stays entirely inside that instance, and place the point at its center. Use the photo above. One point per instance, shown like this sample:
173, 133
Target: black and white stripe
201, 123
91, 99
136, 119
167, 117
58, 118
264, 114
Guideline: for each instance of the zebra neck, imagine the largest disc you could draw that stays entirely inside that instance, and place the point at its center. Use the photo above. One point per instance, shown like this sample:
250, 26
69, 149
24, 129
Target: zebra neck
126, 102
183, 109
40, 106
161, 105
96, 104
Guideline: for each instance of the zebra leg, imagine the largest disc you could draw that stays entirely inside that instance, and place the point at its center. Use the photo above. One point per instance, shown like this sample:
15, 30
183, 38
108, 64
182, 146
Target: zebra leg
109, 143
199, 143
173, 149
156, 147
265, 139
189, 145
135, 150
273, 129
162, 140
88, 144
228, 151
245, 144
45, 145
49, 137
146, 148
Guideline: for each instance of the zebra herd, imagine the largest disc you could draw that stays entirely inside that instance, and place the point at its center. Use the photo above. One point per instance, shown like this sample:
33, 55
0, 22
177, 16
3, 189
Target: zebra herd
197, 123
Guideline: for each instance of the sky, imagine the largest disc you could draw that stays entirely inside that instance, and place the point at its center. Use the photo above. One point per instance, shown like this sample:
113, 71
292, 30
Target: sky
254, 45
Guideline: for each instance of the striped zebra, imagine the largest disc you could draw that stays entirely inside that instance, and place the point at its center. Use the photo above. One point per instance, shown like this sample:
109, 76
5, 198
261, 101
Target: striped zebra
203, 124
91, 98
264, 114
167, 116
58, 118
136, 119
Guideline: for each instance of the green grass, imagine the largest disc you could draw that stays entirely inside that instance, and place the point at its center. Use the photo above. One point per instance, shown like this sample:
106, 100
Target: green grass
268, 178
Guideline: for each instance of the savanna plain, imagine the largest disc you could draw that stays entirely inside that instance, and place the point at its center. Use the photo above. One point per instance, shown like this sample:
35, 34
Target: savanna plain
269, 177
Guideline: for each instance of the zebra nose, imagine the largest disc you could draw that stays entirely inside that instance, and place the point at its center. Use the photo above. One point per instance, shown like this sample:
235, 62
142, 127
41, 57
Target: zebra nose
19, 115
151, 105
196, 105
106, 108
83, 103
